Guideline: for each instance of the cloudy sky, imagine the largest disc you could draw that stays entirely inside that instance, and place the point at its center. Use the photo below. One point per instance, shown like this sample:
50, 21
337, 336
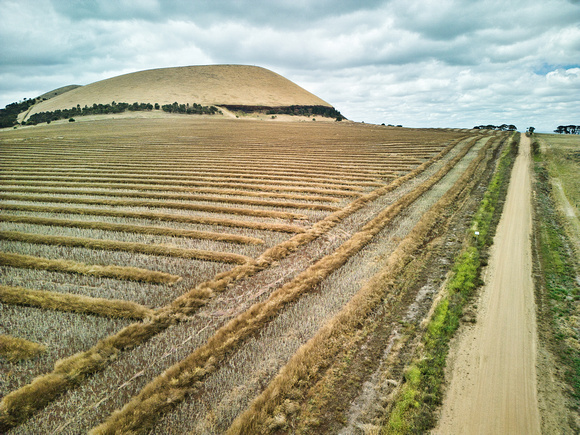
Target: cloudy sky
419, 63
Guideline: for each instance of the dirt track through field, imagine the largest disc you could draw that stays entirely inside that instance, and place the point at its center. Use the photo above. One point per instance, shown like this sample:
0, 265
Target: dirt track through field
493, 381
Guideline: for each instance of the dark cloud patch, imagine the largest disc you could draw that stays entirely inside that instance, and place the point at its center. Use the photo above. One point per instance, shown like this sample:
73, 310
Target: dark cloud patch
281, 14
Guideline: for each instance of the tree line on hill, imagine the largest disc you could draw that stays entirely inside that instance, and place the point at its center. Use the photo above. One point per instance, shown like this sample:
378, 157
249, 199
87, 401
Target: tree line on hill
103, 109
568, 129
296, 110
503, 127
9, 115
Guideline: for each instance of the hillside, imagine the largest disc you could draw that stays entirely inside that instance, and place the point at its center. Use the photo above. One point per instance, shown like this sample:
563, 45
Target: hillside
220, 85
57, 92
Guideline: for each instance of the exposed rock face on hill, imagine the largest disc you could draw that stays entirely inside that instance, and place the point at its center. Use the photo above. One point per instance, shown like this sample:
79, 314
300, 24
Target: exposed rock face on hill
219, 85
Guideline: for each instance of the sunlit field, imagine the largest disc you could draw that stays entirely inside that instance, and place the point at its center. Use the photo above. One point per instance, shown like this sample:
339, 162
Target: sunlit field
196, 275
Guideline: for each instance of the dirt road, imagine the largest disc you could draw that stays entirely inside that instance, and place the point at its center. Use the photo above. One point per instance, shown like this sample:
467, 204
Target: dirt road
493, 380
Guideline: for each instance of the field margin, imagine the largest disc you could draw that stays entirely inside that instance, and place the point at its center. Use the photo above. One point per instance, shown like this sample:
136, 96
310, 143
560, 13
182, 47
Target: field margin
416, 401
556, 287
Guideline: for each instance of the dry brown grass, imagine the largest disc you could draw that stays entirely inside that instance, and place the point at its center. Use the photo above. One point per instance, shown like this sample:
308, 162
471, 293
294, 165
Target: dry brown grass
140, 229
172, 188
115, 245
173, 196
204, 84
290, 173
182, 303
69, 302
69, 266
164, 204
319, 351
152, 215
18, 405
223, 182
200, 174
295, 188
16, 349
175, 383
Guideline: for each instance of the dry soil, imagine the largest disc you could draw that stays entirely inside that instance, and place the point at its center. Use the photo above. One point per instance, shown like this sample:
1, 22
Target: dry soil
493, 379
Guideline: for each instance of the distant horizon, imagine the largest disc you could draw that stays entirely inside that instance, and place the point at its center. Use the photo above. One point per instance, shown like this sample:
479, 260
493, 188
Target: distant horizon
417, 63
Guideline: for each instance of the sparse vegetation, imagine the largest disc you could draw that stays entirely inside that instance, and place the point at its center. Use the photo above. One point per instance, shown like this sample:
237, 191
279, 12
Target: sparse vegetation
422, 392
282, 218
567, 129
324, 111
556, 242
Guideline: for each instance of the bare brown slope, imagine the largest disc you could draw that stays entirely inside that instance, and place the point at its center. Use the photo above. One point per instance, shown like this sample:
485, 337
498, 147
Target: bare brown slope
206, 85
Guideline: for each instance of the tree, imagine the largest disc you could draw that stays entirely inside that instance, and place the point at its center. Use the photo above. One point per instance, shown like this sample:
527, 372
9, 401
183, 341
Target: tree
568, 129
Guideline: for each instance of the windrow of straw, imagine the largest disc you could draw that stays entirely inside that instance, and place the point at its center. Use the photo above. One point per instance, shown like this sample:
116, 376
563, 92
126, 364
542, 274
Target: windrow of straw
69, 266
318, 353
115, 245
18, 405
313, 166
140, 229
71, 302
332, 175
245, 186
173, 196
161, 394
164, 204
16, 349
151, 215
195, 180
276, 253
170, 188
201, 175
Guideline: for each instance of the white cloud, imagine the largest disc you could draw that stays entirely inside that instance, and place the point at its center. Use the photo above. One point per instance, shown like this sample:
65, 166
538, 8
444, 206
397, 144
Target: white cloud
410, 62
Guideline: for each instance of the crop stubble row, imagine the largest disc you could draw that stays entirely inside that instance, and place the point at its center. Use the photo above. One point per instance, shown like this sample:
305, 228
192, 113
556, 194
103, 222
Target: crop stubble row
179, 380
262, 263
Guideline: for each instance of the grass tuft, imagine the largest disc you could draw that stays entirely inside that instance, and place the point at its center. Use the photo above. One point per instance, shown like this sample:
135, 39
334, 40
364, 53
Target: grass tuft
69, 266
70, 302
16, 349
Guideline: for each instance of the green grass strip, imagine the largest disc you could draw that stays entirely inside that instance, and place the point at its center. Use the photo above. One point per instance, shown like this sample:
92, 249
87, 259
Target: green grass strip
421, 393
558, 277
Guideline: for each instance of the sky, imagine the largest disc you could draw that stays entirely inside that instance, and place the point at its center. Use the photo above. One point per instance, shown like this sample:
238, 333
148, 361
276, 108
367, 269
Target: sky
417, 63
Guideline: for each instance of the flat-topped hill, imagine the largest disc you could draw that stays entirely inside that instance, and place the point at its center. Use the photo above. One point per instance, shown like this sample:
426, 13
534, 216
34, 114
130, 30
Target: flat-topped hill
218, 85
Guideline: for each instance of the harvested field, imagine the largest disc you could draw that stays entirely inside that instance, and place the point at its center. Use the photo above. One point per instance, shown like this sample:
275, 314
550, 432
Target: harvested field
190, 252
